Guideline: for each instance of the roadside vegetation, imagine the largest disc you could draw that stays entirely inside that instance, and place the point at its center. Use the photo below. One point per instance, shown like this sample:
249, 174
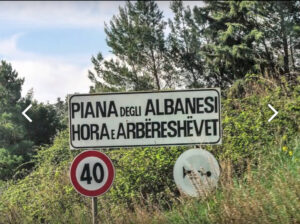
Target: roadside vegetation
259, 183
249, 49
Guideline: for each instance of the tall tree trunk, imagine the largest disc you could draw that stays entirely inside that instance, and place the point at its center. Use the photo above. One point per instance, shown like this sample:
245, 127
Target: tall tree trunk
155, 73
269, 58
292, 54
135, 78
285, 44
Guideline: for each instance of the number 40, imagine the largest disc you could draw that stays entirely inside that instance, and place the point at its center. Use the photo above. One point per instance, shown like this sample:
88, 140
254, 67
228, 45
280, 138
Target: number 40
86, 174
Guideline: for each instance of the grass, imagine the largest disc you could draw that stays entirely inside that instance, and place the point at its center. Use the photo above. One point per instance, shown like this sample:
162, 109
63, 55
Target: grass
268, 192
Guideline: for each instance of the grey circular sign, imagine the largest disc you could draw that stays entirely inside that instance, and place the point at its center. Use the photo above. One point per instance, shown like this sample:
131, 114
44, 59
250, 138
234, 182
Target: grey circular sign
196, 172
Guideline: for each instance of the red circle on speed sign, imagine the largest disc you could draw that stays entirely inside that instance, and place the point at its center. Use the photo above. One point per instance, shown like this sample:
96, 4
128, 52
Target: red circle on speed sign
92, 173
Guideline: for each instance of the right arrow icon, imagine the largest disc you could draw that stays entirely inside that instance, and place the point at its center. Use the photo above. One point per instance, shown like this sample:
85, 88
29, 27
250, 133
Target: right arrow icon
275, 112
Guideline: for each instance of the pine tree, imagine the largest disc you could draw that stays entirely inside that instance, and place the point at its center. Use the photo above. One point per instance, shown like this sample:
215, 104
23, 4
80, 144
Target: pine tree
280, 25
136, 38
10, 87
13, 145
208, 46
184, 44
17, 135
230, 35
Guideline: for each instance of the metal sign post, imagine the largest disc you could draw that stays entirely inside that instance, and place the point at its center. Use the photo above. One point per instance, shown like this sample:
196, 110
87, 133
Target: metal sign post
137, 119
94, 208
92, 174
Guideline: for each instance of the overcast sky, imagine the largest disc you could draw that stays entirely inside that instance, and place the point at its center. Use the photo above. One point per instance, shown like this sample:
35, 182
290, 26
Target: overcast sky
51, 43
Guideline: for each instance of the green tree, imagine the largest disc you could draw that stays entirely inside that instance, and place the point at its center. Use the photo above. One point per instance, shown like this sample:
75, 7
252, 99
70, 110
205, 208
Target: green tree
47, 119
10, 87
243, 37
45, 123
230, 35
222, 41
280, 25
136, 38
211, 45
18, 136
11, 132
8, 163
15, 148
184, 44
61, 108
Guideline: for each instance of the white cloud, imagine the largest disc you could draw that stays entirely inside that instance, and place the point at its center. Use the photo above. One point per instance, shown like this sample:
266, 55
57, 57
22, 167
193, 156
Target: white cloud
51, 80
68, 13
58, 13
9, 46
50, 77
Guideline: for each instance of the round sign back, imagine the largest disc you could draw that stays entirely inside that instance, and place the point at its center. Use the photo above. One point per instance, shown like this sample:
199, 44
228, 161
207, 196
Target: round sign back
92, 173
196, 172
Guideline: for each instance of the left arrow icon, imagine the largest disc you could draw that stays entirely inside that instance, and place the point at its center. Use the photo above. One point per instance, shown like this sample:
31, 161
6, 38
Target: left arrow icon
24, 113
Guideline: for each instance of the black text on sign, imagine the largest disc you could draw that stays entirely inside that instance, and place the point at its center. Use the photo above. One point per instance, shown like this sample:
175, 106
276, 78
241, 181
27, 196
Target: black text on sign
145, 119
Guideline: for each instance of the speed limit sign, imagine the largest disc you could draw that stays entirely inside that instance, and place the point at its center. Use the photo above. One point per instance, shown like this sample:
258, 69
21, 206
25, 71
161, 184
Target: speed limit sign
92, 173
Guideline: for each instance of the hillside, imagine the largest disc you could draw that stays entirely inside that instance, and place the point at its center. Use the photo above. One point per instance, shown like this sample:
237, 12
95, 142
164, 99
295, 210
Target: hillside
260, 181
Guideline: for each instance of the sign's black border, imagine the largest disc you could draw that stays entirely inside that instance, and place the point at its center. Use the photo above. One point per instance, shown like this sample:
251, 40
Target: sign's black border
144, 92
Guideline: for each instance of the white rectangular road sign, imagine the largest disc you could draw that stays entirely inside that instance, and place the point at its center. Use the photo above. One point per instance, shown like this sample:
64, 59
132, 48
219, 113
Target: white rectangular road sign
131, 119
